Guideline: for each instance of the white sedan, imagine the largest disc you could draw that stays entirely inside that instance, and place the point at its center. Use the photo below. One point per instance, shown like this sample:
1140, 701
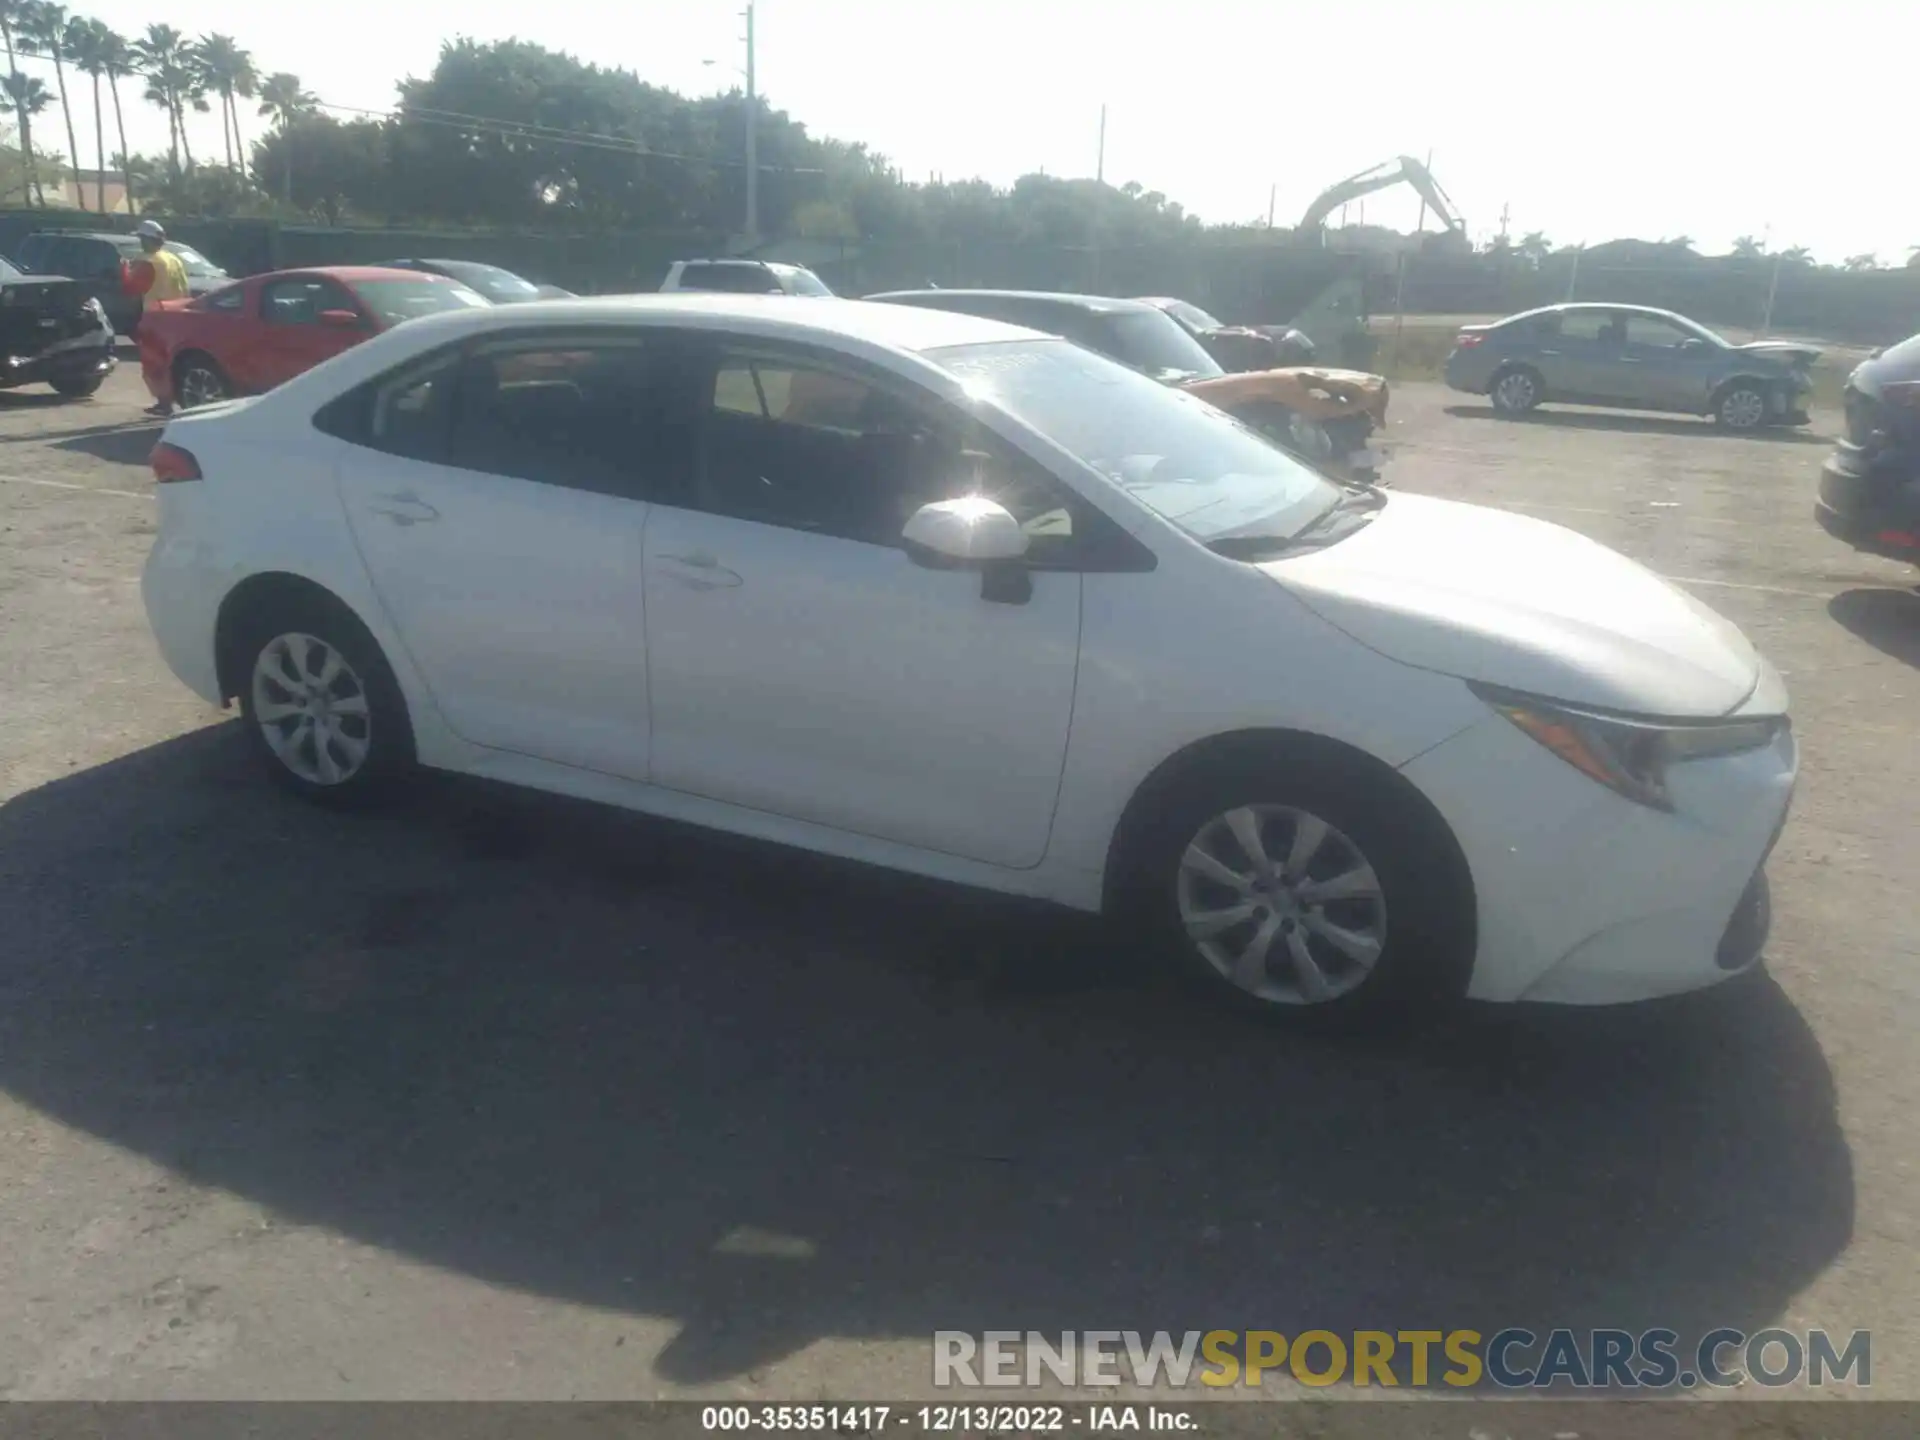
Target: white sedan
938, 593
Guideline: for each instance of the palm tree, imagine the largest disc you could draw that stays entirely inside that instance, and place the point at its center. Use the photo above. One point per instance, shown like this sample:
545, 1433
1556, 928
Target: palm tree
87, 42
162, 57
29, 97
228, 71
116, 56
1747, 247
43, 24
282, 101
9, 18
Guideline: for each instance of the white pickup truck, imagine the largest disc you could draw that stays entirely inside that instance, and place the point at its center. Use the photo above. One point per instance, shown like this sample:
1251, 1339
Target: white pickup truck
744, 277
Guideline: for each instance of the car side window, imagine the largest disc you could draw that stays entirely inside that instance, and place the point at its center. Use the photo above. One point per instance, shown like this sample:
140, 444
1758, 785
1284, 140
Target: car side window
1651, 332
1541, 327
808, 446
1591, 325
228, 302
591, 413
300, 301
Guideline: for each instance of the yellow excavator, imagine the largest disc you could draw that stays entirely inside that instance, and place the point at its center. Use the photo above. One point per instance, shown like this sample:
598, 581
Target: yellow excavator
1401, 170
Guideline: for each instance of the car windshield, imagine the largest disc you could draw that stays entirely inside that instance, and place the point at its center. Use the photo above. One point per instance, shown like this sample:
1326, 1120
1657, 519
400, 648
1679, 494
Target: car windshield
490, 280
197, 265
802, 281
1192, 316
1152, 341
397, 300
1182, 458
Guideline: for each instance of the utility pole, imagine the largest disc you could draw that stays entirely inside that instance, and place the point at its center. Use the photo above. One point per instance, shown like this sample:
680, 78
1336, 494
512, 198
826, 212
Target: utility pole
1506, 211
753, 145
1100, 162
1273, 193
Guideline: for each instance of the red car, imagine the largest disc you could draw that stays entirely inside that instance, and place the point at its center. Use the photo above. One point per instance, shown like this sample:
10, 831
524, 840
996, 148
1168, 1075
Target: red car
250, 336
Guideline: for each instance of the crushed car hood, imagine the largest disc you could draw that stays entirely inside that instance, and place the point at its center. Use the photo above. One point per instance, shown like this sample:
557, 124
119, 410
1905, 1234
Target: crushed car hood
1508, 600
1313, 391
1785, 351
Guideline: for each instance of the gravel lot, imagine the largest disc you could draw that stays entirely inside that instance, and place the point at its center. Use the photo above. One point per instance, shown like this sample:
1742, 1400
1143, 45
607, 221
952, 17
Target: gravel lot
499, 1097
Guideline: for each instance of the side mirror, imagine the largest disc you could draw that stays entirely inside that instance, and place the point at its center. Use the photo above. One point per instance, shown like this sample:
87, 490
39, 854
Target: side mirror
340, 319
973, 533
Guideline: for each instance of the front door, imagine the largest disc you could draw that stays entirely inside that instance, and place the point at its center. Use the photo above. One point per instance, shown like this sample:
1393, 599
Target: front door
291, 338
502, 515
1581, 359
1669, 367
803, 665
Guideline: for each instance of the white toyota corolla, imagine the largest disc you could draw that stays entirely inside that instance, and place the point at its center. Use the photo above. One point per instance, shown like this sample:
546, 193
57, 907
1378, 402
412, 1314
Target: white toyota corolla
938, 593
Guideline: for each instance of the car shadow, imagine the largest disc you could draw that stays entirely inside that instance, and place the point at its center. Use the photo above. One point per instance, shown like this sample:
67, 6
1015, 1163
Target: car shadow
1634, 423
121, 444
776, 1098
35, 399
1887, 619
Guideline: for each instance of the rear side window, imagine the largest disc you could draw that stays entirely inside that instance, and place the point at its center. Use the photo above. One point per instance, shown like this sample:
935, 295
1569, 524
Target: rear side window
734, 279
1586, 324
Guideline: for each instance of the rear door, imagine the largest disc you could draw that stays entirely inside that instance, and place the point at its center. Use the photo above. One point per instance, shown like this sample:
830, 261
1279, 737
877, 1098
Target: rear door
499, 496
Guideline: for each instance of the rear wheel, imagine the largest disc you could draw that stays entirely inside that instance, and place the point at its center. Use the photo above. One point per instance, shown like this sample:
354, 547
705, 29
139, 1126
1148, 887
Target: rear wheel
322, 709
1516, 391
197, 380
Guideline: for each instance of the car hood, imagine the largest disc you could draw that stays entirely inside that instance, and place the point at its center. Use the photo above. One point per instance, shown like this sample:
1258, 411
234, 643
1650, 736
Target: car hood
1785, 351
1507, 600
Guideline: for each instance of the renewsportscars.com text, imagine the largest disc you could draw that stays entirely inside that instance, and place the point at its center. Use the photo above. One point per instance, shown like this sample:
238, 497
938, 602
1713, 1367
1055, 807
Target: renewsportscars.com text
1510, 1359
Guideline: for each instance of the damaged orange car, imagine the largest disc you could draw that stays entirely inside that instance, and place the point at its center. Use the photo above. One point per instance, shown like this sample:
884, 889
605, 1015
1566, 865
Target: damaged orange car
1325, 416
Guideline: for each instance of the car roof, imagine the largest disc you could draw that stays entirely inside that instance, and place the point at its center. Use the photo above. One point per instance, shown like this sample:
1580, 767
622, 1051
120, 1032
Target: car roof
348, 272
894, 327
1094, 304
1568, 305
113, 236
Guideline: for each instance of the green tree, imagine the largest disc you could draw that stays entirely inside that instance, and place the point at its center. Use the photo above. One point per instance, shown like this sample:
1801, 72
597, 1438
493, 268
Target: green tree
117, 58
9, 23
90, 44
1858, 263
226, 70
30, 97
173, 83
43, 27
1749, 247
282, 101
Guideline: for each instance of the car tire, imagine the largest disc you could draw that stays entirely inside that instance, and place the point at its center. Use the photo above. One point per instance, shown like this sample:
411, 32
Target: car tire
1359, 892
77, 387
198, 380
1741, 408
320, 705
1516, 390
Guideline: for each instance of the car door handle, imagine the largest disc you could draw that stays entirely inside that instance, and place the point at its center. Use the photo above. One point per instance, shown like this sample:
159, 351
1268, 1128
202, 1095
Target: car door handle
699, 571
1549, 352
404, 509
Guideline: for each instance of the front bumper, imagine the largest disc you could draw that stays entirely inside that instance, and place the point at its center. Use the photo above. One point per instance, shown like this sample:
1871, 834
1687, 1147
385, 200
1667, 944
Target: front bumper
90, 353
1584, 897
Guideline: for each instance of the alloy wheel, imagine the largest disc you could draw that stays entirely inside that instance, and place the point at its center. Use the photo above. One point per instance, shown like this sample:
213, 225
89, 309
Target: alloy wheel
1282, 904
200, 386
1515, 390
1743, 409
312, 709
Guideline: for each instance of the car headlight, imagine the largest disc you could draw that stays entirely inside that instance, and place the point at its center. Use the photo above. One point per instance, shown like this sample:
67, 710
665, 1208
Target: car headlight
1627, 755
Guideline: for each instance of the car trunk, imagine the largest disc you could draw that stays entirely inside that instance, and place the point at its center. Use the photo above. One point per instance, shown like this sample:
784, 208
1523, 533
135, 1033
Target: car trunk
38, 310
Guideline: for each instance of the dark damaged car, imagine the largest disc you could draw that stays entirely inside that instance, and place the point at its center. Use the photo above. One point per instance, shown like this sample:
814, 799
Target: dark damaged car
1870, 484
1630, 357
52, 331
1237, 347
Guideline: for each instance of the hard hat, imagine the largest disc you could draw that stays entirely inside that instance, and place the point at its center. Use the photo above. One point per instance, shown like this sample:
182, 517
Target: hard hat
150, 230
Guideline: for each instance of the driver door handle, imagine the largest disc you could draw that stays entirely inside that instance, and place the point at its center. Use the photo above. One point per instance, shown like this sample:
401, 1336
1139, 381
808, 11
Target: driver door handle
405, 508
699, 571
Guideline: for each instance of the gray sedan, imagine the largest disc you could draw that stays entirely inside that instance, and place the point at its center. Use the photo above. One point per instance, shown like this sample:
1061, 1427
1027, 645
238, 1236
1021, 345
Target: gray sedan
1632, 358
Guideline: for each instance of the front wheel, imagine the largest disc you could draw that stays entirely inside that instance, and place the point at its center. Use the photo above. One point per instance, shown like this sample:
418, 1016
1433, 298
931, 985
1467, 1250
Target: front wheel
78, 387
321, 706
1741, 408
1310, 895
199, 382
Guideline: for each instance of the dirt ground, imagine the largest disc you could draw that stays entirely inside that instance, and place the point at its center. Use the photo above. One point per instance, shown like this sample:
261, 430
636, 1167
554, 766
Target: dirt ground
497, 1097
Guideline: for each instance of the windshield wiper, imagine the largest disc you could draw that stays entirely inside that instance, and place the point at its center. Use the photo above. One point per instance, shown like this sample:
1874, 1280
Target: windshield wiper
1323, 529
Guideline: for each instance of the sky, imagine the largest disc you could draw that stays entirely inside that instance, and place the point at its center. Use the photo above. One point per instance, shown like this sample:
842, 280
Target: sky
1588, 121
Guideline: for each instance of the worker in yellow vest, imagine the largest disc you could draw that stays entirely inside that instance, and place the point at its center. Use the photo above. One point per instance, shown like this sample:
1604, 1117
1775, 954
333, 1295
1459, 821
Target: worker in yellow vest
156, 275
